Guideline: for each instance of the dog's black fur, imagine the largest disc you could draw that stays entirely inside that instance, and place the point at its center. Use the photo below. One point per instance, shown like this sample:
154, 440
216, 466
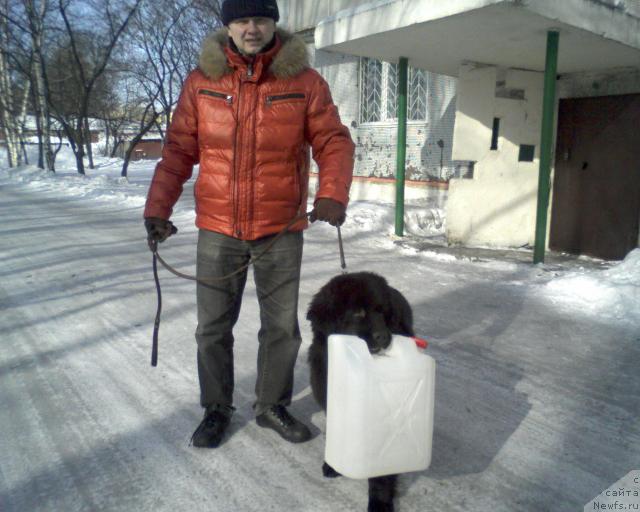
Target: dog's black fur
362, 304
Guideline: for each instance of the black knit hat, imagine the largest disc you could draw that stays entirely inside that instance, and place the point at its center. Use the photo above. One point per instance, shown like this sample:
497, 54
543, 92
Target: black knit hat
234, 9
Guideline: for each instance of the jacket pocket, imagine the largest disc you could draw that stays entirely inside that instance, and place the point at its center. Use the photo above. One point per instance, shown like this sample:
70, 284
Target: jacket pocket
292, 96
218, 95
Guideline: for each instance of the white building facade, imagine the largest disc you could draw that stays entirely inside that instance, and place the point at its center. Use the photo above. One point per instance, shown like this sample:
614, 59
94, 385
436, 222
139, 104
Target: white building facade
478, 123
365, 91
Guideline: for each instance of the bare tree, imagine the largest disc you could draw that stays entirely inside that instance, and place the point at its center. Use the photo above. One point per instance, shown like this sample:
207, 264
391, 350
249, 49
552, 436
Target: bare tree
10, 111
115, 111
108, 20
36, 12
164, 39
124, 113
25, 24
63, 50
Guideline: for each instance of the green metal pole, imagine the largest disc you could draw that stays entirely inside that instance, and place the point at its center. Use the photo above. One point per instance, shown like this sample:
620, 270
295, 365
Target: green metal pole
403, 67
546, 144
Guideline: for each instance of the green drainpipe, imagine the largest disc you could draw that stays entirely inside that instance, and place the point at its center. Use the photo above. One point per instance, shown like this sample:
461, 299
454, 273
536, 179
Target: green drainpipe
546, 144
403, 67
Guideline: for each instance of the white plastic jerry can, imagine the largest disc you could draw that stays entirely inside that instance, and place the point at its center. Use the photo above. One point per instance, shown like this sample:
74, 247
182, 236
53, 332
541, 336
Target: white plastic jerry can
379, 407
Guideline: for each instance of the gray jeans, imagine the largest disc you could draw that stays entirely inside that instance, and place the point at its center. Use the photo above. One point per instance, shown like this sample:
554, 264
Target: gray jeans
277, 279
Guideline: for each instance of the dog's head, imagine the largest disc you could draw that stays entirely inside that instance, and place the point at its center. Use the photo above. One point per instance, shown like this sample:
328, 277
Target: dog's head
357, 304
368, 324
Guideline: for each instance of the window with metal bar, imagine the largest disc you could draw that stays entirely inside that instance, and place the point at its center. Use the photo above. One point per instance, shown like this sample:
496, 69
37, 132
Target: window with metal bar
370, 90
417, 97
379, 92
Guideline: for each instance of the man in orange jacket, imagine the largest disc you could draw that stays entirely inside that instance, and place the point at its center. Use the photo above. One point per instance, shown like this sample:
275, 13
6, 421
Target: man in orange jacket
248, 115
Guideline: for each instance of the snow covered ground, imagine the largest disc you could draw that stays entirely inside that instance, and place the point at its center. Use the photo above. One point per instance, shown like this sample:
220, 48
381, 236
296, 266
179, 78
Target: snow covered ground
537, 390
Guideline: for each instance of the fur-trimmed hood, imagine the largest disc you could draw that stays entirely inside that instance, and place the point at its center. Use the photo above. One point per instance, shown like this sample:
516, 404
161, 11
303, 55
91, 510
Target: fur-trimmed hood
288, 62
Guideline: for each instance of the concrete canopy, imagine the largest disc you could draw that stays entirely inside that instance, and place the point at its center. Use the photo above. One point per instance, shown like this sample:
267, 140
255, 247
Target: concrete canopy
440, 35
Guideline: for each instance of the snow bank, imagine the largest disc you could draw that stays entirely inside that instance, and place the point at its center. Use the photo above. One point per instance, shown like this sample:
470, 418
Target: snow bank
609, 294
421, 218
100, 187
103, 183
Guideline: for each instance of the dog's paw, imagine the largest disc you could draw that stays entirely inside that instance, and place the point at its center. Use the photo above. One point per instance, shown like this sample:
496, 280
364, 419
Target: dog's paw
329, 472
376, 505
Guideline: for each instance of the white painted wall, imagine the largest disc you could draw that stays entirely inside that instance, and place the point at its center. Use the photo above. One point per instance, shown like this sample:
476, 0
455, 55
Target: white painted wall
474, 112
498, 206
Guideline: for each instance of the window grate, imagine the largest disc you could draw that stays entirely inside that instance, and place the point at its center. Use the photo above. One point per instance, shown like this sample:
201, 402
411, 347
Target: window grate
379, 92
371, 90
392, 91
417, 110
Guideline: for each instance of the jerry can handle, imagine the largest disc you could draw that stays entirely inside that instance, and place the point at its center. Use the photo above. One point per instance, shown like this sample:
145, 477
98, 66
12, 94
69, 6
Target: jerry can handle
420, 343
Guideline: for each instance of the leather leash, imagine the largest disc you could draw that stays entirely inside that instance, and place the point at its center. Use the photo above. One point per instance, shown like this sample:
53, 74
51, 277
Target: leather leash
153, 244
343, 263
216, 280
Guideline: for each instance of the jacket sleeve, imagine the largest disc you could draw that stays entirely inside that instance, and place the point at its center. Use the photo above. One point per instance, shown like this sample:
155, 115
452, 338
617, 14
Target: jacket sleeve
331, 143
179, 155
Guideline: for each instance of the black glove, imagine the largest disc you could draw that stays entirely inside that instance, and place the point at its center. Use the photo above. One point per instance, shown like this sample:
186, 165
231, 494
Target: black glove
330, 211
158, 230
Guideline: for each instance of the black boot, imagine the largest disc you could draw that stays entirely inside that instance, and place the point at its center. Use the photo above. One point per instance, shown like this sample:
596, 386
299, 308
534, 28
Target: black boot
211, 429
277, 418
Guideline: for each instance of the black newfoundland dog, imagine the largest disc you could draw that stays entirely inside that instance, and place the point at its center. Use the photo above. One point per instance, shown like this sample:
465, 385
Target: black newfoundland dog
362, 304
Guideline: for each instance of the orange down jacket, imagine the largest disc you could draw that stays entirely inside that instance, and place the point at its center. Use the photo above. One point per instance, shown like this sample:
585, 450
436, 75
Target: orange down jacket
250, 126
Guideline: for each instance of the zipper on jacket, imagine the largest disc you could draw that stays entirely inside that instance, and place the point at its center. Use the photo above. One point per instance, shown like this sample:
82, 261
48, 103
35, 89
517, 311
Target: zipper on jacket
235, 195
227, 97
250, 70
280, 97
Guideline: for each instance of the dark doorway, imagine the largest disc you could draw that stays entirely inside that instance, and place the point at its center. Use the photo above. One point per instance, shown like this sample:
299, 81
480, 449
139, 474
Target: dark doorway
596, 187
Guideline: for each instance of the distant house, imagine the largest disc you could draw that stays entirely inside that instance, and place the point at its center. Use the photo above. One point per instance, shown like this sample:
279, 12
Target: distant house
482, 63
96, 128
148, 149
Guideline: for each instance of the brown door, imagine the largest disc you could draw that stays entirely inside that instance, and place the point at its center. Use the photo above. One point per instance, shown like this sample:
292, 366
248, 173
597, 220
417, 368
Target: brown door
596, 187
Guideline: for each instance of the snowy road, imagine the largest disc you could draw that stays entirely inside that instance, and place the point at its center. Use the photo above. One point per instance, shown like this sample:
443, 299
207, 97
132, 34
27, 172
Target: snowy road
537, 401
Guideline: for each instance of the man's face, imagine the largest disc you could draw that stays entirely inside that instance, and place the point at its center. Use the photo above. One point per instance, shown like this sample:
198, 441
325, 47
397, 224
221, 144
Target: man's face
252, 34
